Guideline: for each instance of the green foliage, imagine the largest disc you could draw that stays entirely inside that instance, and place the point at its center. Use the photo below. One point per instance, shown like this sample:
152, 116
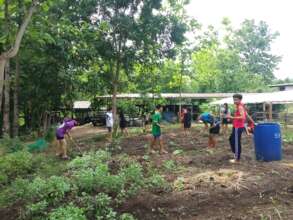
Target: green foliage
68, 212
10, 145
50, 134
170, 165
157, 182
14, 165
127, 216
52, 189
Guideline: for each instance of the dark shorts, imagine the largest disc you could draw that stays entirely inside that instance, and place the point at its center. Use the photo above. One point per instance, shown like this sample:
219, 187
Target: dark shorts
215, 130
225, 121
187, 125
59, 137
109, 129
157, 136
122, 125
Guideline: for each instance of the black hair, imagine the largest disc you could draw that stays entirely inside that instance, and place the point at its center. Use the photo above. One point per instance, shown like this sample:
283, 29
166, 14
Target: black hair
109, 108
237, 96
158, 107
189, 109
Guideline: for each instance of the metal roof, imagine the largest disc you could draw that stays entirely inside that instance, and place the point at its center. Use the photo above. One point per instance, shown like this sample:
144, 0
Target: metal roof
172, 95
282, 84
281, 97
81, 105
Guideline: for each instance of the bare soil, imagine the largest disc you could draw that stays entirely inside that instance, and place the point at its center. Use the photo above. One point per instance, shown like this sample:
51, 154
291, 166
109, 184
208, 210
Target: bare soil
210, 186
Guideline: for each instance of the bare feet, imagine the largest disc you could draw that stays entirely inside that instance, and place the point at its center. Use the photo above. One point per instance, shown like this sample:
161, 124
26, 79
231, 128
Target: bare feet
163, 152
234, 161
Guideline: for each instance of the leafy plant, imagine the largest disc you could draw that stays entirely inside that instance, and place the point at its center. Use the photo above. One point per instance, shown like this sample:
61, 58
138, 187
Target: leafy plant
14, 165
10, 145
66, 213
170, 165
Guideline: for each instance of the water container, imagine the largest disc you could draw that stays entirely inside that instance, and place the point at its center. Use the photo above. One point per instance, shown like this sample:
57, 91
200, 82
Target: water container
268, 142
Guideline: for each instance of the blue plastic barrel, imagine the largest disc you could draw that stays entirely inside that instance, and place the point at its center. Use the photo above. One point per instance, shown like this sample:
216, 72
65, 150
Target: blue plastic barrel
268, 142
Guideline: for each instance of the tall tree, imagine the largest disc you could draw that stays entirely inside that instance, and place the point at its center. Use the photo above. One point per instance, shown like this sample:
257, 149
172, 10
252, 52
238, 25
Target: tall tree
253, 42
130, 28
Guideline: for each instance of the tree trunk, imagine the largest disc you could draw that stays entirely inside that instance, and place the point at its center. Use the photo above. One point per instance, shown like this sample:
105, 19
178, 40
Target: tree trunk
6, 110
2, 70
15, 98
114, 97
12, 52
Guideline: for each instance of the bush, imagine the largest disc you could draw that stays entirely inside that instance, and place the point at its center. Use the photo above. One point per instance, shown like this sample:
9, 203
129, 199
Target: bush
127, 216
10, 145
103, 208
52, 189
50, 134
14, 165
157, 182
69, 212
90, 160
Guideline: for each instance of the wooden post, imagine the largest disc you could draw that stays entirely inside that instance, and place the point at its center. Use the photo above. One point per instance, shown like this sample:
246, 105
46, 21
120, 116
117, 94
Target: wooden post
264, 111
270, 111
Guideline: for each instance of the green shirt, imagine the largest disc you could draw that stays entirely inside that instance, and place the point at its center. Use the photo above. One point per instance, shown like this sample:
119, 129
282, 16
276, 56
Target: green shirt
156, 118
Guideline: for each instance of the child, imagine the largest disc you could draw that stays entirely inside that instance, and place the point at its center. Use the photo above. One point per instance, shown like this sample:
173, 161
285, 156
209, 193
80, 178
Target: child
214, 130
238, 127
249, 125
156, 130
109, 120
187, 121
206, 118
123, 123
61, 131
225, 113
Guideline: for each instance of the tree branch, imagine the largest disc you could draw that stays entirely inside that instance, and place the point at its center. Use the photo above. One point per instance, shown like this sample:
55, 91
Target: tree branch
14, 50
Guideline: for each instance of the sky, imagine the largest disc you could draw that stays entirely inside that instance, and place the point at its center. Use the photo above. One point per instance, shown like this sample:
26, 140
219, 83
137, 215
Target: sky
278, 14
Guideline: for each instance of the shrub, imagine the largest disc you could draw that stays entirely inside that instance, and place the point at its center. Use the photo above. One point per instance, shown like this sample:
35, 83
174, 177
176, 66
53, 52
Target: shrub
17, 191
127, 216
157, 182
170, 165
52, 189
103, 208
10, 145
89, 160
14, 165
69, 212
50, 134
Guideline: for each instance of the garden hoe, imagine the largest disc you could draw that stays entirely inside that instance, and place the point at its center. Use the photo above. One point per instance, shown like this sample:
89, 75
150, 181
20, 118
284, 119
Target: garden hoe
76, 146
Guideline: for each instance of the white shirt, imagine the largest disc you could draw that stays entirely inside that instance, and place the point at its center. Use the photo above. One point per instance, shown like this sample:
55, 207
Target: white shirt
109, 119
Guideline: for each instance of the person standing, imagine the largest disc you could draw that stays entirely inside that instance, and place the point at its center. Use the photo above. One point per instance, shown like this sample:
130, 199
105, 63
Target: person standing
156, 130
187, 121
123, 123
225, 113
61, 131
109, 121
239, 119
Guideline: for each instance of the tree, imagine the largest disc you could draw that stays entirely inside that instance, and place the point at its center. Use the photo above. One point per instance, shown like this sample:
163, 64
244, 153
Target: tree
253, 43
9, 53
129, 35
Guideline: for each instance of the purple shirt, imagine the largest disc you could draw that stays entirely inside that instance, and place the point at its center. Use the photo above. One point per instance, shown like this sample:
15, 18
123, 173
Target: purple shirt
65, 127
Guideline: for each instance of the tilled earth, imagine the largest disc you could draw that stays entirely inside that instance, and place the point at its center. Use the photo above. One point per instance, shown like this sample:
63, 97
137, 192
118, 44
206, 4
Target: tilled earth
207, 185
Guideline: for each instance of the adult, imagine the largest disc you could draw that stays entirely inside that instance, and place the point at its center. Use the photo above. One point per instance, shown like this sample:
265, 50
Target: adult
239, 119
156, 130
62, 131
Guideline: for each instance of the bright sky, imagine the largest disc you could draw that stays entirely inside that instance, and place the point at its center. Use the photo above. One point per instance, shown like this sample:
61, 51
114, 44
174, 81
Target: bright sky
277, 13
